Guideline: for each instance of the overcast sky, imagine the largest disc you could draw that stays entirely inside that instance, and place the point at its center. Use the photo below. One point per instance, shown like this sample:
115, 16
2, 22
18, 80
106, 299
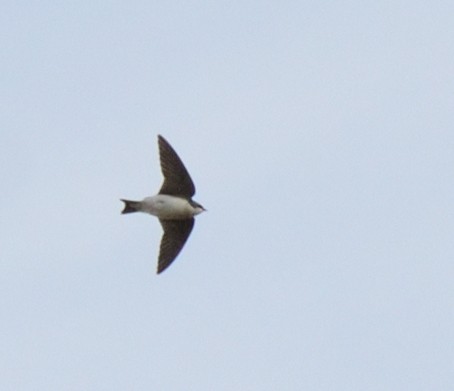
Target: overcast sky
320, 139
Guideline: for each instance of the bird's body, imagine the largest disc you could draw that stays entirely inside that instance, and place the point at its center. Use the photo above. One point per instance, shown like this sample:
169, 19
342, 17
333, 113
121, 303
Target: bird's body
168, 207
173, 205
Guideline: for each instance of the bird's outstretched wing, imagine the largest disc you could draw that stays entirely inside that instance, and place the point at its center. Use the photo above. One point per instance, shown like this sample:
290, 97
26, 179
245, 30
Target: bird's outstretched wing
177, 181
176, 232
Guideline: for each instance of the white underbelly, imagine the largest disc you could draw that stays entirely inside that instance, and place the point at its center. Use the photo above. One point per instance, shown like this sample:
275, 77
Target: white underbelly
167, 207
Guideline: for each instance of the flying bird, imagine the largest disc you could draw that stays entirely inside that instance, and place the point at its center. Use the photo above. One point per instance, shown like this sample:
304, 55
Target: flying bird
173, 205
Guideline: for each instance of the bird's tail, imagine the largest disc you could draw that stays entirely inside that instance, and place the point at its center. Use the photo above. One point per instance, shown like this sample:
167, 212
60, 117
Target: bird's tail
130, 206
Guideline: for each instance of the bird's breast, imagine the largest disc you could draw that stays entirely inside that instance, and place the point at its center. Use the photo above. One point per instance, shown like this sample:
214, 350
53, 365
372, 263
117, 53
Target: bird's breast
168, 207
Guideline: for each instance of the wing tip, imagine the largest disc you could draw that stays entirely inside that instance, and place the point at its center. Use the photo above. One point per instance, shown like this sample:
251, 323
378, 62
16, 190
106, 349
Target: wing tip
163, 265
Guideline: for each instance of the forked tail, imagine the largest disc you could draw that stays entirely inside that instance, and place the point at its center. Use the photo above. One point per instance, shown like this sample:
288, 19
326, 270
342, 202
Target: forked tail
130, 206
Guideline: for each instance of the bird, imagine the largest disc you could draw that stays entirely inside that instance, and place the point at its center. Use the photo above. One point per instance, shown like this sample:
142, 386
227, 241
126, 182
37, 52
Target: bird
173, 205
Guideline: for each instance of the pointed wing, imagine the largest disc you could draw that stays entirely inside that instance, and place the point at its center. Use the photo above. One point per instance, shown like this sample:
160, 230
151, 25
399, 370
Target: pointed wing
176, 232
177, 181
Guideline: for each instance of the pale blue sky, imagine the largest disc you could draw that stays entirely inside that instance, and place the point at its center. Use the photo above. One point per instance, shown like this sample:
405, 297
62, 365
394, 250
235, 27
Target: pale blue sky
320, 138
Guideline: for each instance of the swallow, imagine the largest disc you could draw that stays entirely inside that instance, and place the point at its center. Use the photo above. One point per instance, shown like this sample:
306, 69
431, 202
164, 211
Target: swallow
173, 205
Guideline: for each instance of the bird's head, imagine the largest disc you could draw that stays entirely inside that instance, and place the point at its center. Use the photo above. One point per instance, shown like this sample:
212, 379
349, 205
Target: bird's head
197, 208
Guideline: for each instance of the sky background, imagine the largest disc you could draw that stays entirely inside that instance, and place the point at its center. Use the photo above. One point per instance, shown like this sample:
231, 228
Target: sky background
320, 139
